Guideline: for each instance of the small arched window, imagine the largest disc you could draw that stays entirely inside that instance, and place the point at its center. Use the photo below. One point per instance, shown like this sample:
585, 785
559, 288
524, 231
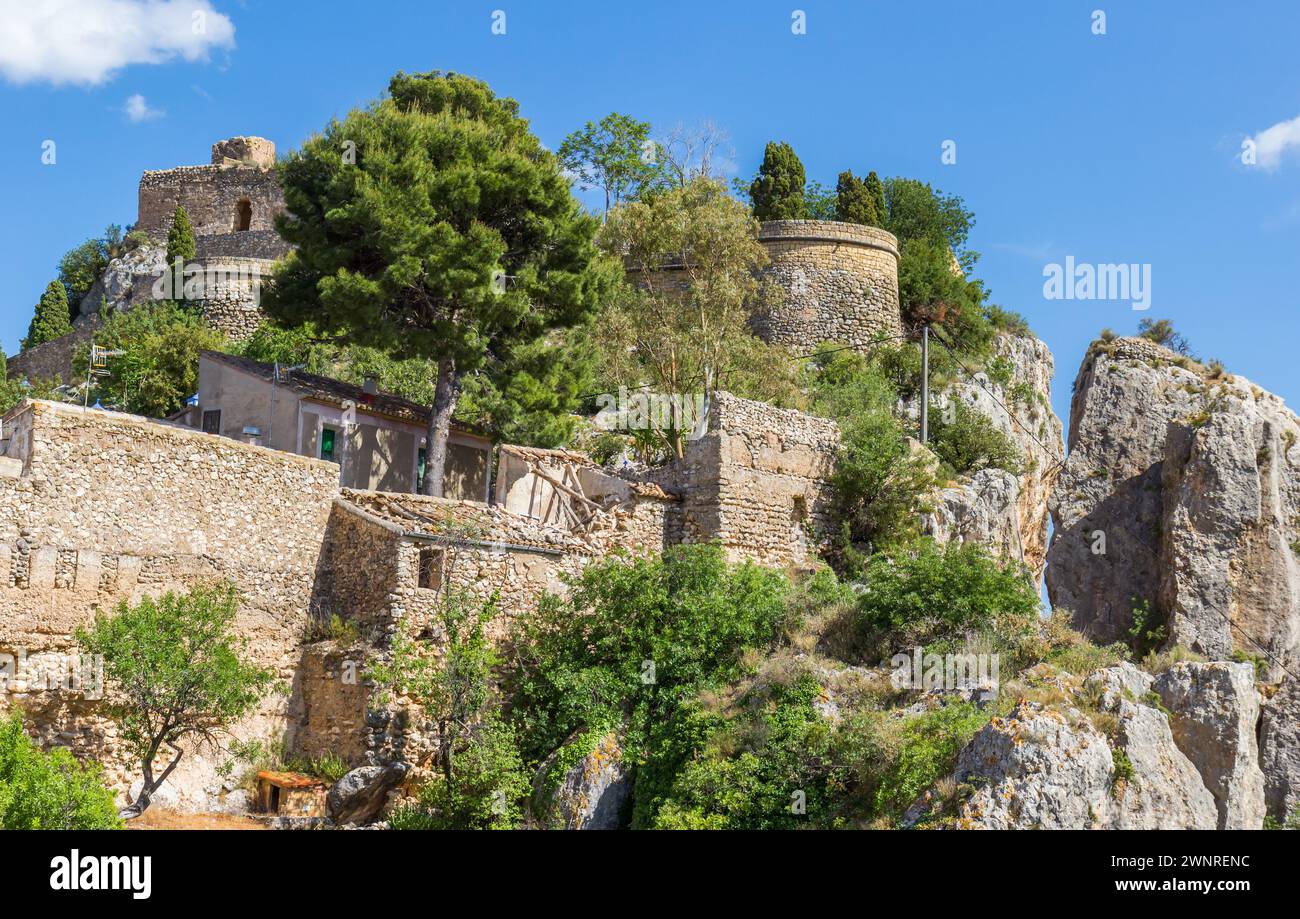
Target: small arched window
243, 215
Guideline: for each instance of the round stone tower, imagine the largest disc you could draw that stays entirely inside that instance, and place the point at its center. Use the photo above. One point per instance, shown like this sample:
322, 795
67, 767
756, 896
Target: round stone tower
837, 281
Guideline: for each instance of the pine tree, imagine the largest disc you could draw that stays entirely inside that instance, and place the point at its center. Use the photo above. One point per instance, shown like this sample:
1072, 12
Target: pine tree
453, 238
180, 239
854, 203
51, 319
777, 190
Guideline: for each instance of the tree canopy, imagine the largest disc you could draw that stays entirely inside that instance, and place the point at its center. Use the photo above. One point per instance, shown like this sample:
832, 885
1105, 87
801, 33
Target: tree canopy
51, 318
777, 192
433, 224
615, 155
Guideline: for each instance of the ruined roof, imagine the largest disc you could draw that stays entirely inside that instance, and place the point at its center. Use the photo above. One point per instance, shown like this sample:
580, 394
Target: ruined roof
289, 779
334, 392
541, 454
421, 516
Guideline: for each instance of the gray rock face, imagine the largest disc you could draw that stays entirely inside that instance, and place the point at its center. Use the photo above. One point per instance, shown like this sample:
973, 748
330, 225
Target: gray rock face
1036, 769
1215, 709
360, 795
590, 795
1280, 751
1052, 767
1006, 512
1179, 490
127, 281
983, 510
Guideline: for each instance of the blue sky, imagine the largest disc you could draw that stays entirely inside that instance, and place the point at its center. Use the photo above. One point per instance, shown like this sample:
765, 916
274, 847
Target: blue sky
1122, 147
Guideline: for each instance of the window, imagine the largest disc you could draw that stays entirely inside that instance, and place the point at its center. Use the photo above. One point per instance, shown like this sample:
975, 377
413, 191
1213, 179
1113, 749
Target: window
419, 468
327, 436
431, 568
243, 215
212, 422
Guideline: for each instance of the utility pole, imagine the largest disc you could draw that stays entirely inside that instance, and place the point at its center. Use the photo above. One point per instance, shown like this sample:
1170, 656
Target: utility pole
925, 383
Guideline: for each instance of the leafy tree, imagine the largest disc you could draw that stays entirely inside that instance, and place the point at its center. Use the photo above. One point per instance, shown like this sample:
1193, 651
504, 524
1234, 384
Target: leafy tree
51, 318
616, 155
481, 780
683, 339
453, 237
878, 480
921, 594
631, 643
777, 191
931, 290
965, 440
1162, 332
180, 238
175, 674
81, 267
915, 211
876, 192
820, 203
49, 791
159, 368
855, 202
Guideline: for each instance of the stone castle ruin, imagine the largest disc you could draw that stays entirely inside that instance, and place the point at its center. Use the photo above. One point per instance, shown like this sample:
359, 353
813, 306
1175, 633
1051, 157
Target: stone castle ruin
99, 507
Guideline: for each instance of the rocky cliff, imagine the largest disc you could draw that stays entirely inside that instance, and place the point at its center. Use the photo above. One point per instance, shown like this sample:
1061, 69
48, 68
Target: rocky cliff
1007, 512
1181, 496
1181, 490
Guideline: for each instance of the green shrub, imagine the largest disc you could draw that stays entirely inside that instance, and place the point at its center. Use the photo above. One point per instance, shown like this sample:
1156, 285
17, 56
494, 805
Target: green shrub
1147, 631
49, 791
923, 595
485, 791
965, 440
878, 481
634, 641
50, 320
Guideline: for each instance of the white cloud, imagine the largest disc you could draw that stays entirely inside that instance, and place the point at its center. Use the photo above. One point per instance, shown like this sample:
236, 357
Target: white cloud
137, 109
1272, 142
87, 41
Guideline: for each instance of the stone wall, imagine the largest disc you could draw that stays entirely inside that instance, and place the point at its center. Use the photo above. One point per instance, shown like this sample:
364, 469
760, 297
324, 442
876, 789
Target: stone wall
839, 283
99, 507
833, 282
211, 195
53, 360
757, 481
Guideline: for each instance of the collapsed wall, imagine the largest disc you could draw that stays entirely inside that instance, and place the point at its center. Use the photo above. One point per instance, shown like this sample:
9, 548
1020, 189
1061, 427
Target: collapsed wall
97, 508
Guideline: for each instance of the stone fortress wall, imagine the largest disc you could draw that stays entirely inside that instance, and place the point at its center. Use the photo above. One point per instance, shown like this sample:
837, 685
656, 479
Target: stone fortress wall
100, 507
839, 282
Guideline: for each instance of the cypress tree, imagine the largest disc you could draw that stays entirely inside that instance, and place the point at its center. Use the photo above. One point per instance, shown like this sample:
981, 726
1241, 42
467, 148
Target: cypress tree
180, 239
51, 319
876, 191
853, 202
777, 190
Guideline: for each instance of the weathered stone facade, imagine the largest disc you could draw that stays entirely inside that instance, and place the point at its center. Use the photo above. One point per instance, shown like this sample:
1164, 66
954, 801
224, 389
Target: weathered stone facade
232, 195
838, 282
757, 481
99, 507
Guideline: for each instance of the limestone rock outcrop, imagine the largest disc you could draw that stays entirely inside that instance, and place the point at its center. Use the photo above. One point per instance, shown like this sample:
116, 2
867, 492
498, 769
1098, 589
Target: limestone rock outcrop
1279, 750
359, 796
1104, 757
1181, 490
588, 795
1214, 708
1006, 512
